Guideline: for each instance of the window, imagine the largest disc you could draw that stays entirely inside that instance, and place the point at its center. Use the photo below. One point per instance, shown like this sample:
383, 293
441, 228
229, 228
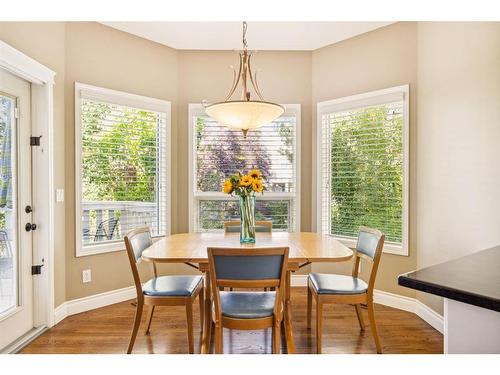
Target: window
363, 166
122, 167
217, 152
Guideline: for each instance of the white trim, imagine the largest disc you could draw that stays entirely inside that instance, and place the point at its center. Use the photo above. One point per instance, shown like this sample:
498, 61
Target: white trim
353, 101
23, 341
430, 316
24, 66
93, 302
125, 99
42, 119
396, 301
299, 280
389, 247
197, 109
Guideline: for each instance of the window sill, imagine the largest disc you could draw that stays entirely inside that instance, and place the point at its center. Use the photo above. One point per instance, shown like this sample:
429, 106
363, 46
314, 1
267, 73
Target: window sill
389, 247
105, 248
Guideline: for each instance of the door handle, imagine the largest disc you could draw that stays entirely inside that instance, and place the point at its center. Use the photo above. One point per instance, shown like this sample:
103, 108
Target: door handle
30, 227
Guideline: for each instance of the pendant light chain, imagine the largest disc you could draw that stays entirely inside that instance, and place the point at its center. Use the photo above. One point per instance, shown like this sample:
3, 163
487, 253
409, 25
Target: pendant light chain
245, 45
244, 114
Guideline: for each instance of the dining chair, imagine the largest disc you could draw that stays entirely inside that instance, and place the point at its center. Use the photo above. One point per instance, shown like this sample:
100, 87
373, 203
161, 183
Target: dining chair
173, 290
262, 226
332, 288
248, 310
233, 226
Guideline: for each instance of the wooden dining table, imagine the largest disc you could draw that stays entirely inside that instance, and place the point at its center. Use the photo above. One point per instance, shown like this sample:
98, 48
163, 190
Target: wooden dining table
191, 249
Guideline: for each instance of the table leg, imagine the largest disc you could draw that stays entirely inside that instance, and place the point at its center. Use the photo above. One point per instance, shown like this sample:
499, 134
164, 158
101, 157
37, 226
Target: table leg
287, 321
207, 319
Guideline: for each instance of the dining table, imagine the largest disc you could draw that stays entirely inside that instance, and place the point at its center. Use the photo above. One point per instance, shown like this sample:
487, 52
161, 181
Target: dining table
191, 249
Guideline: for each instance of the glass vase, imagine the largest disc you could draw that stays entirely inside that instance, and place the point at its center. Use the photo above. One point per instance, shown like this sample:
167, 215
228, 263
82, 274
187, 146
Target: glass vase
247, 219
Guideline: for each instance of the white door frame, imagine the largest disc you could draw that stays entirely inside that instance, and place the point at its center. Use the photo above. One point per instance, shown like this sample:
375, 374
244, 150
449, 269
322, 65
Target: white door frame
42, 84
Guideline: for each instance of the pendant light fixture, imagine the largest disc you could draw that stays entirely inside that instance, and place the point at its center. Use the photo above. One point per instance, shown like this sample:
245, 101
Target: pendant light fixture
244, 114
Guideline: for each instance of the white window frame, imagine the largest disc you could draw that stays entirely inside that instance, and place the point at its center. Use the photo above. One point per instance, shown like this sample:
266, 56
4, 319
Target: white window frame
124, 99
197, 109
355, 101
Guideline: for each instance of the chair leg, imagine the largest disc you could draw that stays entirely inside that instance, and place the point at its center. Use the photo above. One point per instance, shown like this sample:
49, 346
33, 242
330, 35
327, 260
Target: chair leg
189, 316
319, 324
149, 318
373, 326
218, 338
360, 316
309, 307
137, 323
201, 301
277, 338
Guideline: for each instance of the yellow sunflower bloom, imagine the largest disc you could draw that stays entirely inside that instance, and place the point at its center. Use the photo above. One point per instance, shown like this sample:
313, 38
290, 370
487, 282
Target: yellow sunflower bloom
257, 186
227, 187
246, 181
255, 173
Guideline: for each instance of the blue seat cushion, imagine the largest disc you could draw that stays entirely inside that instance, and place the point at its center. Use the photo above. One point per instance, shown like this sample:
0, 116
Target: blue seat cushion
247, 305
171, 285
325, 283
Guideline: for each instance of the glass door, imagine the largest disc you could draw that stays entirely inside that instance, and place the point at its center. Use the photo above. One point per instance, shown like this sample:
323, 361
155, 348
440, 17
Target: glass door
16, 254
8, 243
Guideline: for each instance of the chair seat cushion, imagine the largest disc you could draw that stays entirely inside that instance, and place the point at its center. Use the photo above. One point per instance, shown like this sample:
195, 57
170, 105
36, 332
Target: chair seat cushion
171, 285
247, 305
325, 283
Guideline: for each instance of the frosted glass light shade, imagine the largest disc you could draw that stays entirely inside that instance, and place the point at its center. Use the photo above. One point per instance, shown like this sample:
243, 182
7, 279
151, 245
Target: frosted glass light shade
244, 115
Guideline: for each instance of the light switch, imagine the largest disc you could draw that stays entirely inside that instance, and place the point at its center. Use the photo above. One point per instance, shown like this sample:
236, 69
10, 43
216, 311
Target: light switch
59, 195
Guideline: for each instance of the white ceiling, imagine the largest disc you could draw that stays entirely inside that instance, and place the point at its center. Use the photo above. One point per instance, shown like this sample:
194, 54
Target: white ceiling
299, 36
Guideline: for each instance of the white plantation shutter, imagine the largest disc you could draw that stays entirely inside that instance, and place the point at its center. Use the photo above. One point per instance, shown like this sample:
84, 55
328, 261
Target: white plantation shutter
219, 152
122, 166
362, 175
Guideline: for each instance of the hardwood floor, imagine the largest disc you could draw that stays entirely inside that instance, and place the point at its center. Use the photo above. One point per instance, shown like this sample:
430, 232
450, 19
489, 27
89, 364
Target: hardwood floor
107, 330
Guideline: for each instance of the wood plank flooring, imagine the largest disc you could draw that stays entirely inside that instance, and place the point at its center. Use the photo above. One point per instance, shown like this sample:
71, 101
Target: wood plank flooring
107, 330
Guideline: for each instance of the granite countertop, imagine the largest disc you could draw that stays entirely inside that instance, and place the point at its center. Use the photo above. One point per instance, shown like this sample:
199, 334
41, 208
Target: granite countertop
472, 279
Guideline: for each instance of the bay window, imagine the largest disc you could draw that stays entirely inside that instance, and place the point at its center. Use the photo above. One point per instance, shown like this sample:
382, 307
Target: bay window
362, 174
217, 152
122, 165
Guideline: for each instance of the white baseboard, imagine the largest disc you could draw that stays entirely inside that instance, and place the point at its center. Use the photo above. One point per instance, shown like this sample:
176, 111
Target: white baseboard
299, 280
394, 300
397, 301
92, 302
429, 315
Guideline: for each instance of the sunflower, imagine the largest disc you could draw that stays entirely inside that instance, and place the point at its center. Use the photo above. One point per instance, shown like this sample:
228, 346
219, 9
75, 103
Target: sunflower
246, 181
257, 186
227, 187
255, 173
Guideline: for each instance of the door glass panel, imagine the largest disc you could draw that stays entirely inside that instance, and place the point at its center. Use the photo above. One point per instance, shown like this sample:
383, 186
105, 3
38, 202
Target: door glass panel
8, 235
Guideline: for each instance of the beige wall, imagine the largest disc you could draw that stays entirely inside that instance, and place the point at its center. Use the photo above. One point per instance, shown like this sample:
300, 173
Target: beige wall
44, 41
452, 155
458, 142
376, 60
285, 77
105, 57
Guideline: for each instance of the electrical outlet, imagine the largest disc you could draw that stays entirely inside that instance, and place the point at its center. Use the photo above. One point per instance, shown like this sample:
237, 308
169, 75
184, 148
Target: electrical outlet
86, 276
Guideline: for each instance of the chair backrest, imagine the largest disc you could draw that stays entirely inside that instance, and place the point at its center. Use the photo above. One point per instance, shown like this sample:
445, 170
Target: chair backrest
5, 249
136, 242
233, 226
102, 233
247, 268
369, 246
